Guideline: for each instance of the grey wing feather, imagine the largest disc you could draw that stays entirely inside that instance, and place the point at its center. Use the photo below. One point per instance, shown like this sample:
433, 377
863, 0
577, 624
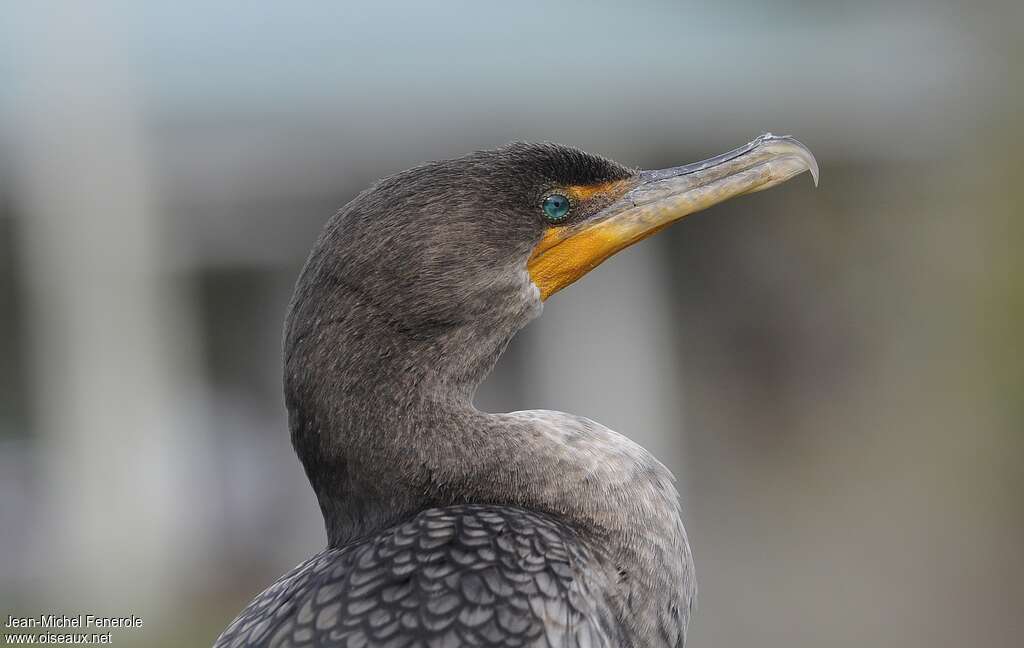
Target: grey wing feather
454, 576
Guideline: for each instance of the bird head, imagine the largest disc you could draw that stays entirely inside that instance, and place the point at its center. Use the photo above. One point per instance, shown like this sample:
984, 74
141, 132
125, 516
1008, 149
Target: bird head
443, 263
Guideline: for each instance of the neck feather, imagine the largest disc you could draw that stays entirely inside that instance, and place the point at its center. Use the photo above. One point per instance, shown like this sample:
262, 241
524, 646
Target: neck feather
385, 427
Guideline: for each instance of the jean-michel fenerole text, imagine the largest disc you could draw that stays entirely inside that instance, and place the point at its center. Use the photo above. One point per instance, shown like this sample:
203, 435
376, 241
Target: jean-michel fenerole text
47, 621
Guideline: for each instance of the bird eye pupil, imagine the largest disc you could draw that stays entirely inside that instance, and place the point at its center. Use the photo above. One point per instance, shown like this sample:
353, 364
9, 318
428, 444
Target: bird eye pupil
556, 208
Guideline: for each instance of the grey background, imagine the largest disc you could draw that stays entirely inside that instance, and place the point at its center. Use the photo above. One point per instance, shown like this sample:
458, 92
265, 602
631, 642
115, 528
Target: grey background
834, 375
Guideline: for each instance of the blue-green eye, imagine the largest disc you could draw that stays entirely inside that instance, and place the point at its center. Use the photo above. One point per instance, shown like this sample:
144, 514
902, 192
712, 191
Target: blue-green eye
556, 208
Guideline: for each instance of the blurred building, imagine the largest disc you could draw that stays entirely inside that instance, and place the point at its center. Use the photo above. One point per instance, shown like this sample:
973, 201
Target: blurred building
833, 375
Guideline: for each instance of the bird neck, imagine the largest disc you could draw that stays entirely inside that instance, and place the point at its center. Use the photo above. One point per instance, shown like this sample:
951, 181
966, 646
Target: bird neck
373, 390
384, 425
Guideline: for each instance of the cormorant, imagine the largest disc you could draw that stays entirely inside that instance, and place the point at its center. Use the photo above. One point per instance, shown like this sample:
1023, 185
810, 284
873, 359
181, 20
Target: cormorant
448, 526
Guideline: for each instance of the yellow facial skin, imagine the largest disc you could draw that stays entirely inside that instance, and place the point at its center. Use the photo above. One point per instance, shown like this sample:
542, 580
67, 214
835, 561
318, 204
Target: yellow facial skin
652, 200
606, 191
558, 261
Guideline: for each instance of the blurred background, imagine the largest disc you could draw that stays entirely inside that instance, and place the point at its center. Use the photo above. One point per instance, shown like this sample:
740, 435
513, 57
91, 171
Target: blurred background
834, 375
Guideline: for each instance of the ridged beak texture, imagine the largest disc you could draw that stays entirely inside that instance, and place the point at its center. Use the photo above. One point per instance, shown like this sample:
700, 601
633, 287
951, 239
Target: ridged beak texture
655, 199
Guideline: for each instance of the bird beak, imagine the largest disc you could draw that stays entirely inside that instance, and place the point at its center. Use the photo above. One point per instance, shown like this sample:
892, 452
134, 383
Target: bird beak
653, 200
